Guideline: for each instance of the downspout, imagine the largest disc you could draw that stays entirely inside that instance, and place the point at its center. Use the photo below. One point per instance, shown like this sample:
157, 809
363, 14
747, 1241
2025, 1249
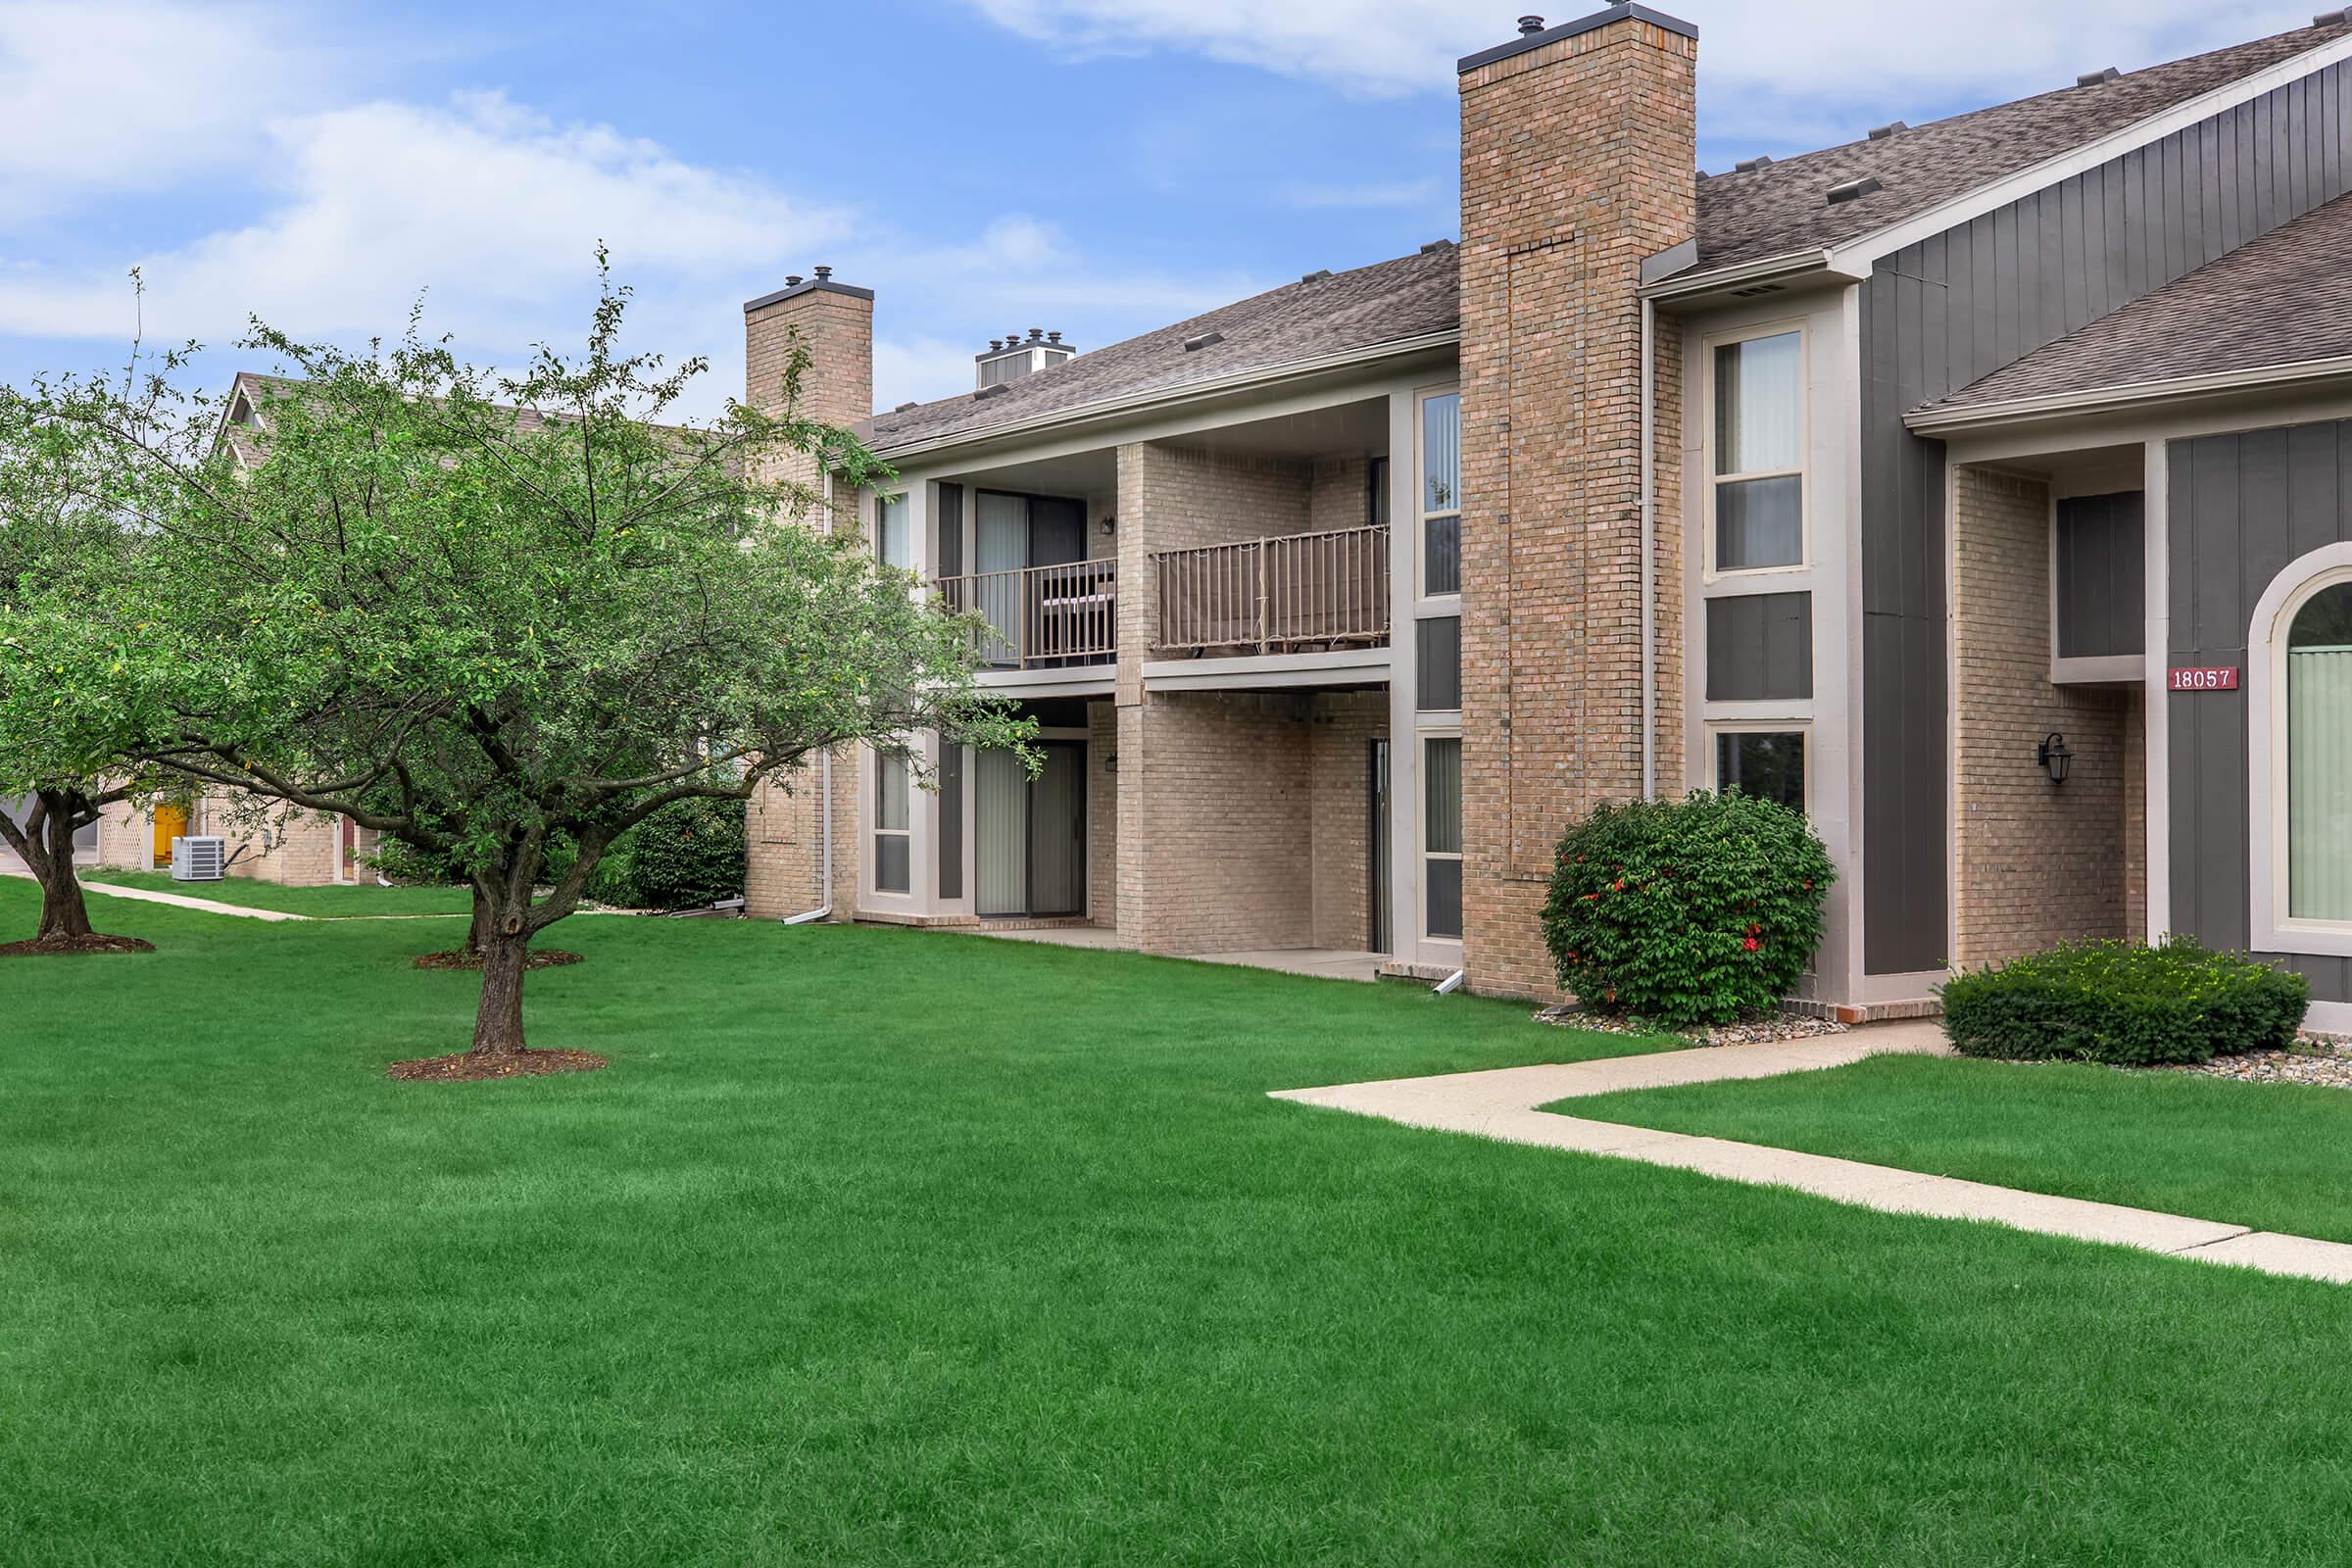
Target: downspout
1650, 551
824, 785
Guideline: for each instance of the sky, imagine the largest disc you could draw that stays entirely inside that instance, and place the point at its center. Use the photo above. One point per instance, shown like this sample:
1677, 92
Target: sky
1093, 167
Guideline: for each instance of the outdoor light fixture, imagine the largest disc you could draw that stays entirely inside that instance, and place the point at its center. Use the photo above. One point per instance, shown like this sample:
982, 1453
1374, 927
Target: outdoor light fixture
2055, 756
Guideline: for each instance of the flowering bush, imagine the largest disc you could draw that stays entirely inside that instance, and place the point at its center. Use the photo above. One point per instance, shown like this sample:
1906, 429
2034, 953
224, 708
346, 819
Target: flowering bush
1693, 911
2117, 1002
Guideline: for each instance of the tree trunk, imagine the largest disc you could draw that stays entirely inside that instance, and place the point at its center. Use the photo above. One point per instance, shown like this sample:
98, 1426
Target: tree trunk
62, 913
480, 927
498, 1022
45, 844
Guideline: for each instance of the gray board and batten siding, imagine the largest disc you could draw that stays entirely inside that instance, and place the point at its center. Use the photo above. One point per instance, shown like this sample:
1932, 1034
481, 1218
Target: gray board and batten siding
2102, 569
2242, 508
1959, 305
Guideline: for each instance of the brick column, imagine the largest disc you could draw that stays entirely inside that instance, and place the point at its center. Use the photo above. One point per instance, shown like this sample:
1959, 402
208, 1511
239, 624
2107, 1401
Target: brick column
1579, 150
835, 323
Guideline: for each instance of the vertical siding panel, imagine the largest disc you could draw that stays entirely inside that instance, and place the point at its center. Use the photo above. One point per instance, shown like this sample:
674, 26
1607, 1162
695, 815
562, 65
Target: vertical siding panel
2311, 495
2209, 191
1984, 337
2048, 281
2259, 533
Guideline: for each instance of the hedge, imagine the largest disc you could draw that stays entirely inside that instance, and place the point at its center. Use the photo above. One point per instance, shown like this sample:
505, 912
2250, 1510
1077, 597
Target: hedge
1694, 912
2124, 1004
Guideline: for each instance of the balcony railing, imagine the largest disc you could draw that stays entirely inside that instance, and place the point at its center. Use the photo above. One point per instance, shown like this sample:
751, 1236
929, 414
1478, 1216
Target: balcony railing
1041, 617
1272, 596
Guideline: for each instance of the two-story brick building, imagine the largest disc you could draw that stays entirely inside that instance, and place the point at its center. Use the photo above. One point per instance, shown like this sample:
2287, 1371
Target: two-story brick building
1978, 487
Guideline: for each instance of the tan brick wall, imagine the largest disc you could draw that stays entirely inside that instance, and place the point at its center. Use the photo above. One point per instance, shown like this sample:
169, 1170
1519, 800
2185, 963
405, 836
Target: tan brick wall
2135, 816
1340, 496
1344, 726
1577, 163
2034, 862
783, 875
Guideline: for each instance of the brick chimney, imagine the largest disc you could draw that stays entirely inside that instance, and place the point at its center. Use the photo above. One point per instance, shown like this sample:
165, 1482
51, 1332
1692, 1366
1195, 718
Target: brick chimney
1579, 146
836, 323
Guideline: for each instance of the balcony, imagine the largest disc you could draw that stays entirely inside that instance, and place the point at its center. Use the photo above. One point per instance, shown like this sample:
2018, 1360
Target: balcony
1041, 617
1300, 593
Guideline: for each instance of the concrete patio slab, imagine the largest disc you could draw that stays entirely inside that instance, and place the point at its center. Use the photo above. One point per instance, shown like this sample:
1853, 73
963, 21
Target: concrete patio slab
1502, 1103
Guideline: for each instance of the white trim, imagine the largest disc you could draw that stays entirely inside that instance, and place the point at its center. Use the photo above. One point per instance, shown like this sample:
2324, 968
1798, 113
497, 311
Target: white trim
1710, 481
1801, 728
2271, 928
1864, 250
1786, 268
1422, 853
1083, 680
1363, 667
1257, 378
2155, 705
1931, 421
1445, 603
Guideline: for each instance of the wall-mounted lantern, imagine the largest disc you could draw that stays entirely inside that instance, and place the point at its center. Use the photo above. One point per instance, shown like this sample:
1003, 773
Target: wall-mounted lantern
2055, 756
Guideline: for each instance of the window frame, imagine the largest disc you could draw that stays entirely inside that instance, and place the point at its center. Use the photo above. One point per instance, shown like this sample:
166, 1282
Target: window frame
1422, 853
2271, 928
882, 501
1801, 728
1710, 438
1422, 516
883, 761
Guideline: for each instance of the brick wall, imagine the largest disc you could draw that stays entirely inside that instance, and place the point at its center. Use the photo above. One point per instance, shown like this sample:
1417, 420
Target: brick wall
1577, 163
1344, 726
1176, 498
1103, 813
1339, 494
2034, 862
783, 874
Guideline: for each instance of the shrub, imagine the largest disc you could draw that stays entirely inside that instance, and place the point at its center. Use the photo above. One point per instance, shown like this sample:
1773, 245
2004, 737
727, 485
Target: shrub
681, 857
1693, 911
2121, 1002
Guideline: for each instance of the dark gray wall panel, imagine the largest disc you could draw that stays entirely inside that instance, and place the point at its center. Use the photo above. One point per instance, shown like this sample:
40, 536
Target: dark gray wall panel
1759, 648
2102, 575
1960, 305
2243, 507
950, 821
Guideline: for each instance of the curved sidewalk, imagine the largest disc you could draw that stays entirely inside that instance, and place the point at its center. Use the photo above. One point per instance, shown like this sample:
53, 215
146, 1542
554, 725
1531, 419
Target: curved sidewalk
1500, 1104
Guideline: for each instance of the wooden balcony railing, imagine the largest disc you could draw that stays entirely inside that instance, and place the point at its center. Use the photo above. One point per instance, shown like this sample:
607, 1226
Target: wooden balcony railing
1042, 616
1280, 594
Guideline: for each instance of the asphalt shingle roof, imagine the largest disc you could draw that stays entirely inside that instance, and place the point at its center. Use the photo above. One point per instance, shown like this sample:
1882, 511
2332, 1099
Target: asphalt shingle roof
1387, 302
2283, 298
1784, 205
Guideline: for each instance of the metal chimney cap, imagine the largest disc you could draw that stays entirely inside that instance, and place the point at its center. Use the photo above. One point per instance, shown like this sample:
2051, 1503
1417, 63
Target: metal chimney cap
1530, 25
825, 273
792, 280
1053, 337
2092, 78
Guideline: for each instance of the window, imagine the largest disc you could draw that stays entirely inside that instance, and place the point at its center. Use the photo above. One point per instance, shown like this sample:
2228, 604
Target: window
1441, 498
893, 856
1767, 764
894, 533
1442, 836
2319, 757
1758, 485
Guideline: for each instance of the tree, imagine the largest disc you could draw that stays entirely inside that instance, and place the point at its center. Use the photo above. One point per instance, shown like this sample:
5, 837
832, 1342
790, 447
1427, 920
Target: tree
69, 502
484, 615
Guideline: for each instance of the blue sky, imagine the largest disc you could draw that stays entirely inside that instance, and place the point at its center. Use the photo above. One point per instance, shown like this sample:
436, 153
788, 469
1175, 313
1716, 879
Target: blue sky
1096, 167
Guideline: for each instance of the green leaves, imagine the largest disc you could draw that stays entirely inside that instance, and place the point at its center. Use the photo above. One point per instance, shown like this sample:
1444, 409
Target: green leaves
1701, 911
2124, 1004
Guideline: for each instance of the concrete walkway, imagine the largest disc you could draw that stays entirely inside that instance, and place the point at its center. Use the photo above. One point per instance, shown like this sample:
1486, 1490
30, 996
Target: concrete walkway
1328, 963
1501, 1104
178, 900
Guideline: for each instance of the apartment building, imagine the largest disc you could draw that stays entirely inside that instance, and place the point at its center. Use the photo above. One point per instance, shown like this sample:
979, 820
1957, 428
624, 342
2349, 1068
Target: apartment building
1980, 488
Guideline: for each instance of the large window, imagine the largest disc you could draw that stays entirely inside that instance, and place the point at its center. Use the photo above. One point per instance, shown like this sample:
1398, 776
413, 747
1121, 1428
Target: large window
1757, 483
894, 532
2319, 757
1769, 763
1442, 836
893, 857
1440, 496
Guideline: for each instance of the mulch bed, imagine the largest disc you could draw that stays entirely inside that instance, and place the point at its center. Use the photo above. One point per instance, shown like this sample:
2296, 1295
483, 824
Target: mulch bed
67, 946
1751, 1032
471, 1067
540, 959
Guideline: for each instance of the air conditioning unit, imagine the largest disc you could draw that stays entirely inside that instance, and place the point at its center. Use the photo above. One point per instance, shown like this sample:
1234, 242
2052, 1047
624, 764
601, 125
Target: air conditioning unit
199, 860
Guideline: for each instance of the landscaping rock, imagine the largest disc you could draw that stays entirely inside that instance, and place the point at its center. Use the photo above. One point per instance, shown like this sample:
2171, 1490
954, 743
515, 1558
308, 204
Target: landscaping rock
1754, 1032
2321, 1060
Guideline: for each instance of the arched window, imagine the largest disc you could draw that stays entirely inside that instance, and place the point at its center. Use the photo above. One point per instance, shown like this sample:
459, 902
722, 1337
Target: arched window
2318, 657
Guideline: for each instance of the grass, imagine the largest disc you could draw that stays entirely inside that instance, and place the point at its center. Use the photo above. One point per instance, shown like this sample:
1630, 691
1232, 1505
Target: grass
884, 1246
346, 903
2274, 1157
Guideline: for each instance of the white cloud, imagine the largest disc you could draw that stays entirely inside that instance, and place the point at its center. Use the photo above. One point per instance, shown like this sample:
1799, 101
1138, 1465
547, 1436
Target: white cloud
132, 96
1407, 193
1761, 66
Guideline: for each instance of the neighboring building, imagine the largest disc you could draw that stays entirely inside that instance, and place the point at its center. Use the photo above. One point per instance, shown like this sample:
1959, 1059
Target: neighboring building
1857, 478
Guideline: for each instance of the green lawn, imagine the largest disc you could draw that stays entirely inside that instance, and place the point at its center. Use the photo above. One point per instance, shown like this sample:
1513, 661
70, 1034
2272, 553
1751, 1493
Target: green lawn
2274, 1157
319, 903
885, 1247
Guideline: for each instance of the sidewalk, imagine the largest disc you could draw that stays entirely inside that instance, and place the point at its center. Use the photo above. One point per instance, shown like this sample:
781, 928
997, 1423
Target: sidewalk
1501, 1104
178, 900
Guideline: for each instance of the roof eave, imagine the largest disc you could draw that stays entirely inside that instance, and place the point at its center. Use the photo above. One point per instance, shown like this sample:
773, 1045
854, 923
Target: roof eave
1107, 409
1942, 423
1787, 267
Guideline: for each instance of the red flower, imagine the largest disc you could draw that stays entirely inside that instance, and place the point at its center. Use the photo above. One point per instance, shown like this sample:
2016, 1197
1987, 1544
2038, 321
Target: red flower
1751, 944
1592, 898
1619, 886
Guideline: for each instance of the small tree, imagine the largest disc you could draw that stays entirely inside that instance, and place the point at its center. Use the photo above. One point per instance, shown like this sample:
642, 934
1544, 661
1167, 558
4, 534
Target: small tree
70, 503
484, 615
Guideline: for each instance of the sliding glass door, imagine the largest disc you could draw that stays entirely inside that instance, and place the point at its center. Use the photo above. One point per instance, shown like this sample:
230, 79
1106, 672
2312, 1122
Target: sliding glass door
1031, 833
